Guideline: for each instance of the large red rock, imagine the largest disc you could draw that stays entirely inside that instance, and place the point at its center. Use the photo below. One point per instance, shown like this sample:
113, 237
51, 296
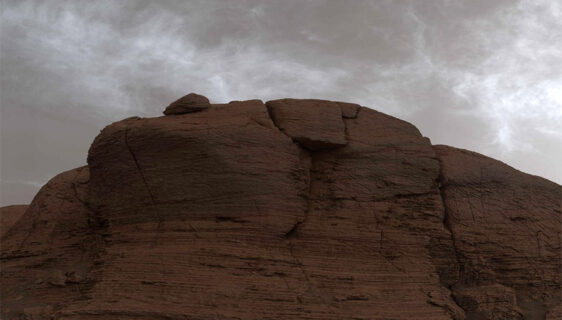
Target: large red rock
506, 226
315, 124
227, 213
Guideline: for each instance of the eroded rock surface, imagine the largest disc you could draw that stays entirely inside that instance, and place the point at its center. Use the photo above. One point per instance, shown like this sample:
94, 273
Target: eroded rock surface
506, 227
50, 255
9, 215
190, 103
315, 124
301, 209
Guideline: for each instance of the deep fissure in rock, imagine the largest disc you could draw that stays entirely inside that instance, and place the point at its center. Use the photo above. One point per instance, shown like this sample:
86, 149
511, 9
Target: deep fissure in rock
447, 226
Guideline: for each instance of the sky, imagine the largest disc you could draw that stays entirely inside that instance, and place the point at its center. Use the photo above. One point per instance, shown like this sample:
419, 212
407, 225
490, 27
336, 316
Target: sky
481, 75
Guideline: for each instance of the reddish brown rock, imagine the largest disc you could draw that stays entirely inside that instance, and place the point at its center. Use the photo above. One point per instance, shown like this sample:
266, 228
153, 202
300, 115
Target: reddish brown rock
57, 241
221, 215
315, 124
373, 237
506, 226
190, 103
489, 301
349, 110
9, 215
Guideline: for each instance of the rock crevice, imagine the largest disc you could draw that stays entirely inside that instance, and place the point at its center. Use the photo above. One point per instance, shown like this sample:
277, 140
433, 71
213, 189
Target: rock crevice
447, 225
145, 183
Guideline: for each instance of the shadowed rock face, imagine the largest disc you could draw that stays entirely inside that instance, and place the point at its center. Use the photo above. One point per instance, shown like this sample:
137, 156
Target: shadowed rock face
506, 228
187, 104
9, 215
293, 209
314, 124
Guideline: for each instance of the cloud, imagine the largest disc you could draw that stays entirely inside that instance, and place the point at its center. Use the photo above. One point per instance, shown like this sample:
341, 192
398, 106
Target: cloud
475, 74
517, 82
36, 184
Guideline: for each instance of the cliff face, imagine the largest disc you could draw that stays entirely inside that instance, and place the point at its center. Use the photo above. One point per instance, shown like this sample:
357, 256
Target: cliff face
293, 209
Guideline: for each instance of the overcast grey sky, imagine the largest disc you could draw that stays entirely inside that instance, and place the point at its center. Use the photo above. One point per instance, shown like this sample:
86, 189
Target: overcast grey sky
483, 75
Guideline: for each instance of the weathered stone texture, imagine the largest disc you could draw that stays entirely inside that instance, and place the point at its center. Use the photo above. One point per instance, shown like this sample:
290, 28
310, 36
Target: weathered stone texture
9, 215
506, 226
304, 209
315, 124
188, 104
50, 256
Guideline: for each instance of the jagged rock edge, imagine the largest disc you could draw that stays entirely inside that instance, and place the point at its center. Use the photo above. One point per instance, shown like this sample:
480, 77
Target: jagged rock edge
294, 230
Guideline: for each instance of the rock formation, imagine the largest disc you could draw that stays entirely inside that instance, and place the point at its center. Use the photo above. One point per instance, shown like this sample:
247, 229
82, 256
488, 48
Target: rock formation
9, 215
293, 209
187, 104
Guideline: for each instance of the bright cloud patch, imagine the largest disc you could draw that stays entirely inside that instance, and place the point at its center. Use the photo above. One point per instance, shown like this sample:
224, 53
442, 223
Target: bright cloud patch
483, 75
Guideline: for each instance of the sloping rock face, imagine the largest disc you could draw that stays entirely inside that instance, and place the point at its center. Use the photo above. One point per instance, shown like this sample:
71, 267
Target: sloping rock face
187, 104
9, 215
506, 227
314, 124
50, 254
293, 209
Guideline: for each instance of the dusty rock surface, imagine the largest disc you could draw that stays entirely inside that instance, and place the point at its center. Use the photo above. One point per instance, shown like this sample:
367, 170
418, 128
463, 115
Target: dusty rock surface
9, 215
506, 227
314, 124
293, 209
187, 104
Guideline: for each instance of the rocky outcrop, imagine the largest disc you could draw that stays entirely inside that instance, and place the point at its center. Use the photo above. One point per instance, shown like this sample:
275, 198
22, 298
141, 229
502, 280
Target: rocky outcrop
293, 209
506, 227
9, 215
50, 255
314, 124
190, 103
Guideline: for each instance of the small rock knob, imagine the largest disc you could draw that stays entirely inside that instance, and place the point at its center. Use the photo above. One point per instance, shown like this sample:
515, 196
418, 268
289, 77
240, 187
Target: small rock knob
190, 103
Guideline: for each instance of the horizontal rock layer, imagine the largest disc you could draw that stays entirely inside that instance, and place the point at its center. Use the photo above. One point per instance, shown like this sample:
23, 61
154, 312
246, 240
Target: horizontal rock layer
293, 209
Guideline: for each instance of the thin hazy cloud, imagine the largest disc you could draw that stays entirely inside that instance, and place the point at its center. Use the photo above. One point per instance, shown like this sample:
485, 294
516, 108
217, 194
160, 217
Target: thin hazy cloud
482, 75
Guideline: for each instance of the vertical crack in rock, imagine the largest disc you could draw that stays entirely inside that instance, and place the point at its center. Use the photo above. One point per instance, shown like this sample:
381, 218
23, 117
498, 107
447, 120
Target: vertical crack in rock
272, 117
314, 124
157, 214
345, 131
289, 235
314, 154
99, 231
143, 178
300, 265
447, 226
349, 110
345, 119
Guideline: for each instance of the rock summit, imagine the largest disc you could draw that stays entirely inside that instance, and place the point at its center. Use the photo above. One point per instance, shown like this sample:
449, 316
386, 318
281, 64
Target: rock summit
289, 209
190, 103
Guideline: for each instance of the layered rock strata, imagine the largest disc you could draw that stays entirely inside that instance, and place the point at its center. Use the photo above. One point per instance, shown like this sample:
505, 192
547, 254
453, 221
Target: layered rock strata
9, 215
293, 209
